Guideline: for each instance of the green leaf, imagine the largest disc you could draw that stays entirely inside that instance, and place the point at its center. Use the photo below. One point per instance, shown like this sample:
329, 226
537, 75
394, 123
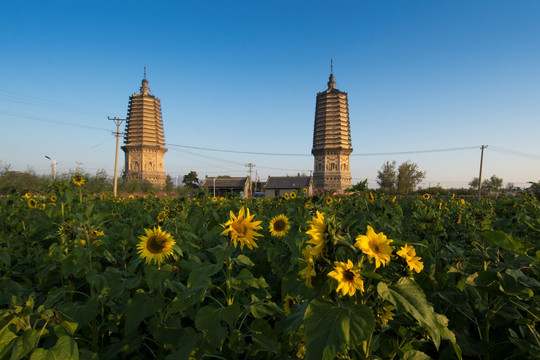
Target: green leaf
409, 298
331, 329
24, 344
5, 258
415, 355
199, 278
6, 338
141, 306
244, 260
65, 349
261, 308
503, 240
245, 279
208, 321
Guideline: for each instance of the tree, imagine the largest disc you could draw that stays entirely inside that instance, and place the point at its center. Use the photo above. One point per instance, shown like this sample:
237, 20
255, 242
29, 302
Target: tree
493, 184
191, 179
168, 187
408, 177
387, 177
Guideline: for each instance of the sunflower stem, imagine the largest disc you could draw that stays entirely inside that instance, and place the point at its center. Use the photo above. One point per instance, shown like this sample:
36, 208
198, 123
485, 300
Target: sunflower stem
345, 244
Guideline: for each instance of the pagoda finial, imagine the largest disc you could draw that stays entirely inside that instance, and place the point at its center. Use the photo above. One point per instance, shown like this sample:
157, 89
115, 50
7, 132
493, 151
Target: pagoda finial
145, 72
331, 80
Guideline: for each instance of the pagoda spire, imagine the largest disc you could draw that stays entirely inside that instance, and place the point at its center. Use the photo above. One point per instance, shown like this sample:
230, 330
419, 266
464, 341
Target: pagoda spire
331, 80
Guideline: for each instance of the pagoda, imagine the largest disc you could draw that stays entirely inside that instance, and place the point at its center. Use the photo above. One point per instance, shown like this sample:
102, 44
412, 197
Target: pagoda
144, 142
332, 140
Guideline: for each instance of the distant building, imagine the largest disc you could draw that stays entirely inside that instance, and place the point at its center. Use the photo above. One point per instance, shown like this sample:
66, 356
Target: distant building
144, 143
221, 186
279, 185
332, 140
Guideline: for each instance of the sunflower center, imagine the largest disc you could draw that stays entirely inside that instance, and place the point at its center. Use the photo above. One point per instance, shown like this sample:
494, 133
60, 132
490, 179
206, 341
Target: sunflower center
239, 227
156, 243
348, 275
279, 225
374, 247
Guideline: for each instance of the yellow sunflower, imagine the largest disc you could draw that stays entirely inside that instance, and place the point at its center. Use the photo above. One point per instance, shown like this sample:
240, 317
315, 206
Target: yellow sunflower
385, 313
155, 246
214, 199
348, 278
279, 226
241, 229
286, 196
95, 233
42, 207
78, 180
161, 216
293, 195
409, 254
308, 272
131, 197
53, 198
28, 195
288, 303
304, 190
462, 201
32, 204
329, 200
317, 231
426, 196
394, 199
370, 197
375, 246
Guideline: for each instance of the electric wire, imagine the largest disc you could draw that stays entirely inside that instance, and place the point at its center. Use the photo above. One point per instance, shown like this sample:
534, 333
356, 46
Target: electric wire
23, 116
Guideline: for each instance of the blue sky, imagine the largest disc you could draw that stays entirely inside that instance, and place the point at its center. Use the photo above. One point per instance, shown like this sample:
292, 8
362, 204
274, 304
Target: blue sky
243, 76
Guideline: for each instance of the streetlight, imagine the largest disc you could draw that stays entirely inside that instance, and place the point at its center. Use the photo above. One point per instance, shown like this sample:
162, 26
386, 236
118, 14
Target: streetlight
53, 167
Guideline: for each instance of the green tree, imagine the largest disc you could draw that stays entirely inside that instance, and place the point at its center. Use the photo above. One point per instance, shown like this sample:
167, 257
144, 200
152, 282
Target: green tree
408, 177
387, 177
169, 186
493, 184
191, 179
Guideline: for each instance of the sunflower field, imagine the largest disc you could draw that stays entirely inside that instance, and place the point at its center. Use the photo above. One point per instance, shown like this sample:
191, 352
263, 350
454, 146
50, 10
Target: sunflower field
363, 276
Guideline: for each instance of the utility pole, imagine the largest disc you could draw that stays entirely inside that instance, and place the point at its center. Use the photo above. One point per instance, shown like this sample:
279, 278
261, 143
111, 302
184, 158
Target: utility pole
117, 121
480, 175
78, 167
53, 167
250, 166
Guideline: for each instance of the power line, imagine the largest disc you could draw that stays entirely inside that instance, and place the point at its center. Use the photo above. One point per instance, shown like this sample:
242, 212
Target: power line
416, 151
23, 116
513, 152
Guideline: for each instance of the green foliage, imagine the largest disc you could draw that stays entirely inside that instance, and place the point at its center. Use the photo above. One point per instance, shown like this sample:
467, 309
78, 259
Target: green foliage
72, 284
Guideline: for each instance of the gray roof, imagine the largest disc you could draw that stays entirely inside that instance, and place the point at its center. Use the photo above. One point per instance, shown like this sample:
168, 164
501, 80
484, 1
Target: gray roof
288, 182
225, 183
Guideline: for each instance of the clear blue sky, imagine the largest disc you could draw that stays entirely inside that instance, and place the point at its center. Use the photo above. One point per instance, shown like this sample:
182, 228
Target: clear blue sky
243, 76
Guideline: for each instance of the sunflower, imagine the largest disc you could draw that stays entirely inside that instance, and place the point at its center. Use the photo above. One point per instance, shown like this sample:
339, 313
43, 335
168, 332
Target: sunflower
317, 231
156, 245
375, 246
348, 278
329, 200
394, 199
279, 226
462, 201
53, 198
288, 303
78, 180
28, 195
308, 272
304, 190
409, 254
370, 197
286, 196
161, 216
293, 195
32, 204
241, 229
385, 314
95, 233
166, 208
214, 199
41, 206
426, 196
131, 197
